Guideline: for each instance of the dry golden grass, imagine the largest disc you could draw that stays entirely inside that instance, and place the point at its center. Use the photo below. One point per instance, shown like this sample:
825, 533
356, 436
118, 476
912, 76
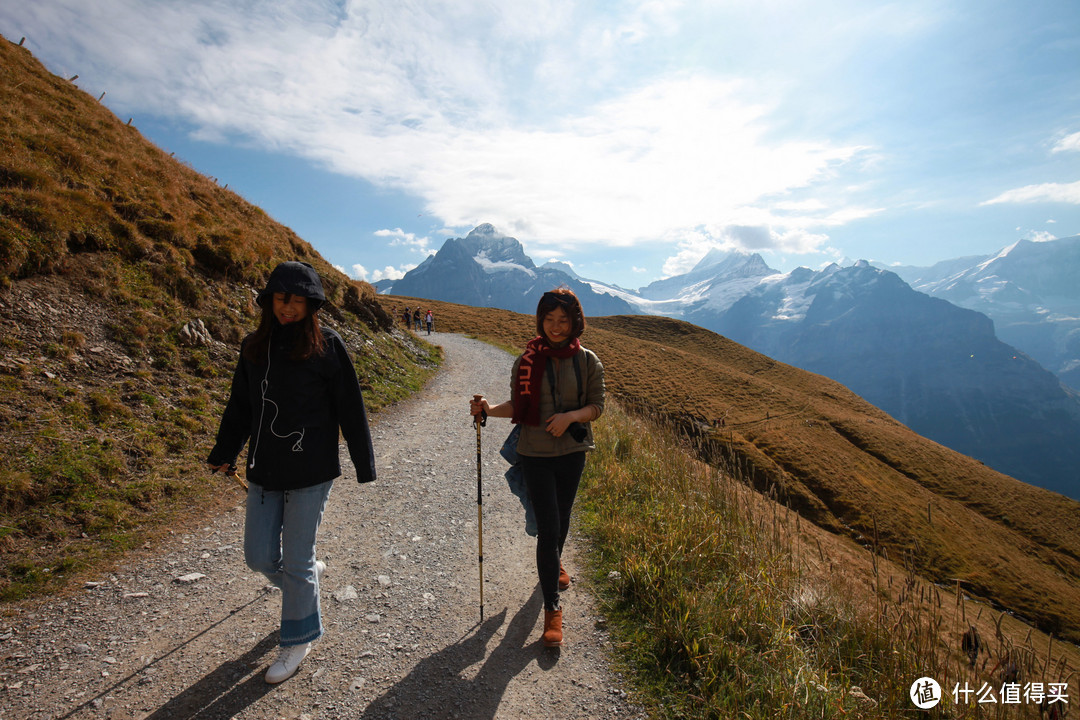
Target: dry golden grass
76, 179
839, 461
725, 604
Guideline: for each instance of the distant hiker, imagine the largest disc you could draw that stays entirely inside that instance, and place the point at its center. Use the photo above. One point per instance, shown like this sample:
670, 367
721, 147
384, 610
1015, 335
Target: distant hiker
557, 389
294, 386
407, 315
416, 318
430, 320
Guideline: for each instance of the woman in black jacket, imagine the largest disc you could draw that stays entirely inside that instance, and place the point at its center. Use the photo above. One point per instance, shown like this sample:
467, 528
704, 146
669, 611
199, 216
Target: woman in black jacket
294, 386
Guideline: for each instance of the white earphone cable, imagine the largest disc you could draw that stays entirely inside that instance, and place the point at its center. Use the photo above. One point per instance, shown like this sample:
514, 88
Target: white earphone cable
298, 445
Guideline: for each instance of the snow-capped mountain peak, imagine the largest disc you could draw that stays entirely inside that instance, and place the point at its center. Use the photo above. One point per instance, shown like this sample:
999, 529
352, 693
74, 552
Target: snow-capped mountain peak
713, 280
493, 249
561, 267
1028, 289
489, 269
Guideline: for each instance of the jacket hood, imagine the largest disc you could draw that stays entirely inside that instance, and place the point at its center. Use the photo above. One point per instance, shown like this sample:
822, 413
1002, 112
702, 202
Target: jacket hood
295, 278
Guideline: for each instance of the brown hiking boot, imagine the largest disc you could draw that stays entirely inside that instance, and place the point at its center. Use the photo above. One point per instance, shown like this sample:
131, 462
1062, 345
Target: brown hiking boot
552, 628
564, 578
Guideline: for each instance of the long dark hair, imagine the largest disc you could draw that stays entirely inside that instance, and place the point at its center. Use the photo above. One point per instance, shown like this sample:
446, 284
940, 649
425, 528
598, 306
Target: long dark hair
565, 298
309, 337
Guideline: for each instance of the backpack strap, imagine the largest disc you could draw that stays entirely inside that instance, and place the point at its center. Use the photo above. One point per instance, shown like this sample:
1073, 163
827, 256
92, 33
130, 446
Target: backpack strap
577, 374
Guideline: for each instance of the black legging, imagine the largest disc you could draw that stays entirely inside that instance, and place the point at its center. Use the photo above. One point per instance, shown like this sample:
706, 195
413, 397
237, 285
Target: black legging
552, 483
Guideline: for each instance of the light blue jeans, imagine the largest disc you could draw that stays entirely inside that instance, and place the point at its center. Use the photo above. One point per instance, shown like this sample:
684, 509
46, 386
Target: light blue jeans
279, 542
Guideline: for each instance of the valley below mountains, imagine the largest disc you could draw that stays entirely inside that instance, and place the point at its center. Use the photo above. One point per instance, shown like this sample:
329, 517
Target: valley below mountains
936, 365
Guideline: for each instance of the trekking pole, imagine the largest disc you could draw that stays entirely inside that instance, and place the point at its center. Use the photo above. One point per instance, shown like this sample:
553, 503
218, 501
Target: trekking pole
480, 420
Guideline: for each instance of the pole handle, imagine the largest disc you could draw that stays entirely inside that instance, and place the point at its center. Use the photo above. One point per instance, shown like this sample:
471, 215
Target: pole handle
233, 473
481, 419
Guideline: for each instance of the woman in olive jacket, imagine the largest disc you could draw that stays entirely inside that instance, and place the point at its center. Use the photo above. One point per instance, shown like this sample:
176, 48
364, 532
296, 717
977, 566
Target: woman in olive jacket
294, 386
557, 390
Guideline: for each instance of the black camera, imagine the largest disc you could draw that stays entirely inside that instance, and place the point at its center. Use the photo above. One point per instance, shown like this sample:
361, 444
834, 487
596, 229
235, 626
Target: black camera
577, 431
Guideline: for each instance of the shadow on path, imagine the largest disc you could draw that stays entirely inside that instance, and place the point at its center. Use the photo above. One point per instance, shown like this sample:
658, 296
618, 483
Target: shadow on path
157, 661
217, 695
436, 687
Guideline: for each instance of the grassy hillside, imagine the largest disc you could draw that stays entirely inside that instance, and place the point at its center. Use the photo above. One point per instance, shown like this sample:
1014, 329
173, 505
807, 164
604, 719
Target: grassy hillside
724, 604
111, 254
837, 460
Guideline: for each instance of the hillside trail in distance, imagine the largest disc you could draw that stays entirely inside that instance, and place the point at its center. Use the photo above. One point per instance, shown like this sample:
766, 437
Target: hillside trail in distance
187, 631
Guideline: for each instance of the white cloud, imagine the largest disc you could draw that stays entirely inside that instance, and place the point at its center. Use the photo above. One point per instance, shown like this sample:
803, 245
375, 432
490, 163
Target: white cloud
1046, 192
359, 272
692, 246
419, 98
677, 154
1068, 143
799, 206
847, 215
391, 273
399, 237
1039, 236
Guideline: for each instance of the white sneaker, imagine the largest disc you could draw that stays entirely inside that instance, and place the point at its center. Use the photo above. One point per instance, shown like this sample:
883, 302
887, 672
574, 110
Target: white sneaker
320, 568
287, 662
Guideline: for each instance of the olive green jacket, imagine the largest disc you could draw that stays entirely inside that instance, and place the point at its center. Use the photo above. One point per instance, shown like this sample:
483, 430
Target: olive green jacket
535, 441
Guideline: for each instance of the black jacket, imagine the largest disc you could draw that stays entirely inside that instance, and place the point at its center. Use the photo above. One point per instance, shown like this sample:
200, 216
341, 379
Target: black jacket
290, 411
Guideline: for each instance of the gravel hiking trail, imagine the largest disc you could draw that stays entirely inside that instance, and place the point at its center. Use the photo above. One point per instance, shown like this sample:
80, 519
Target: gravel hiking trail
187, 631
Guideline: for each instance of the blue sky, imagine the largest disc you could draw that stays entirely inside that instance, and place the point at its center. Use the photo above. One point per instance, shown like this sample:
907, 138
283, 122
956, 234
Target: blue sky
627, 138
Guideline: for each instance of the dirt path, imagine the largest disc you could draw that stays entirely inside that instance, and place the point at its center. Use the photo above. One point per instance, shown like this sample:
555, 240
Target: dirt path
189, 632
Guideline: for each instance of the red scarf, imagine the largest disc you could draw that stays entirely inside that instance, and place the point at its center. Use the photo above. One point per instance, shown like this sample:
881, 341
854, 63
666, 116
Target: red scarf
527, 385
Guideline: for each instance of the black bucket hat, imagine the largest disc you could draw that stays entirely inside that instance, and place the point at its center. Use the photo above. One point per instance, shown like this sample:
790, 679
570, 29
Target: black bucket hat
295, 278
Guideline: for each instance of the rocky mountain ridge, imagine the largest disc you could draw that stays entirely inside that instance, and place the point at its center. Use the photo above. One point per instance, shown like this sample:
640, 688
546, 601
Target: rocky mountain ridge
489, 269
1028, 289
934, 366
